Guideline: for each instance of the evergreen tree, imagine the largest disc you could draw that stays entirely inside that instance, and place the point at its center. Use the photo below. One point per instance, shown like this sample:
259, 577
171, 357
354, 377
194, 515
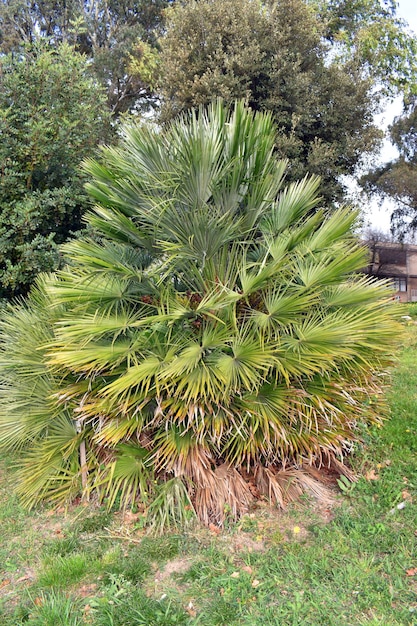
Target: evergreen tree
397, 179
119, 36
319, 68
52, 115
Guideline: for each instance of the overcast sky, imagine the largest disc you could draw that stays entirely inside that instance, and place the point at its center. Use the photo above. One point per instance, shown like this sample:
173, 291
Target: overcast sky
408, 10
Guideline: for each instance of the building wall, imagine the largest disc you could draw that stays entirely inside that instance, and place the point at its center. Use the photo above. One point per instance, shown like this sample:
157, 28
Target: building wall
397, 262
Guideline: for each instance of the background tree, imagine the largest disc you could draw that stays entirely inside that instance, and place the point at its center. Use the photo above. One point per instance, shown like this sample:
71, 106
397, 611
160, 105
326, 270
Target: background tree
112, 33
397, 179
213, 347
52, 115
369, 33
312, 65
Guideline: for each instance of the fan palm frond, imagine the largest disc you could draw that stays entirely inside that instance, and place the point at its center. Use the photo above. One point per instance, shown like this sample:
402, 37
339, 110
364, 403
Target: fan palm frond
128, 478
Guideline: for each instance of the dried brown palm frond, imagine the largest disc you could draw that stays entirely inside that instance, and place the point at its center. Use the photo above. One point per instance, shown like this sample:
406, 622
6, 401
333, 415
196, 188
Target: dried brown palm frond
195, 466
225, 495
286, 485
268, 486
340, 468
299, 481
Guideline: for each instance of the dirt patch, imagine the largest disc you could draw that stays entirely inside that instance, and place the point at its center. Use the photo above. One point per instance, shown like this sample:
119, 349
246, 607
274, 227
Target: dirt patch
176, 566
86, 591
162, 581
11, 587
243, 542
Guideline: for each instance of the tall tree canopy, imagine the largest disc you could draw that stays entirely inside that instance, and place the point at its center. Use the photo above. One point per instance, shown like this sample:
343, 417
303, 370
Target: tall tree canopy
397, 179
65, 65
315, 66
118, 35
370, 33
52, 115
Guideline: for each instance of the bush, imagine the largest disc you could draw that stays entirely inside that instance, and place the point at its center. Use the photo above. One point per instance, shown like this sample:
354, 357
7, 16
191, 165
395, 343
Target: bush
218, 336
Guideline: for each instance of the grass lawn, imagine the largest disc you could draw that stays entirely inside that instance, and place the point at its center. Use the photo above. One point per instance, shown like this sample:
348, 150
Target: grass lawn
352, 563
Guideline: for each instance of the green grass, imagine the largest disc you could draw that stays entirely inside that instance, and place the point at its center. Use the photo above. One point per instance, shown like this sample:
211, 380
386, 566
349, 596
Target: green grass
353, 565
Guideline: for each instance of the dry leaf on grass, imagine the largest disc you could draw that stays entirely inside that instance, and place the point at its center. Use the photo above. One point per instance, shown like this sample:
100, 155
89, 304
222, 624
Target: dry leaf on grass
411, 572
214, 529
371, 475
87, 590
191, 610
25, 577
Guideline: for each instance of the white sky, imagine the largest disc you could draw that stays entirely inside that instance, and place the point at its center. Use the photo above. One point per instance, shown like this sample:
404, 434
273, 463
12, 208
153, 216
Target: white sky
375, 216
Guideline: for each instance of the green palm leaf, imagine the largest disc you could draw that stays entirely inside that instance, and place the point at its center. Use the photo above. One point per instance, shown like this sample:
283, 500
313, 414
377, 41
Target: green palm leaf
128, 477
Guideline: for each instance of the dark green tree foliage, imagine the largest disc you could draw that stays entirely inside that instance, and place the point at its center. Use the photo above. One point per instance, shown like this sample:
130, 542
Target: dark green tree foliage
52, 115
274, 56
397, 179
314, 66
370, 33
115, 34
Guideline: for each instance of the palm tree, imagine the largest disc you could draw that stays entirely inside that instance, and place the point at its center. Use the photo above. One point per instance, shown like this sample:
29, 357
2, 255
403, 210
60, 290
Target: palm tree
213, 344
